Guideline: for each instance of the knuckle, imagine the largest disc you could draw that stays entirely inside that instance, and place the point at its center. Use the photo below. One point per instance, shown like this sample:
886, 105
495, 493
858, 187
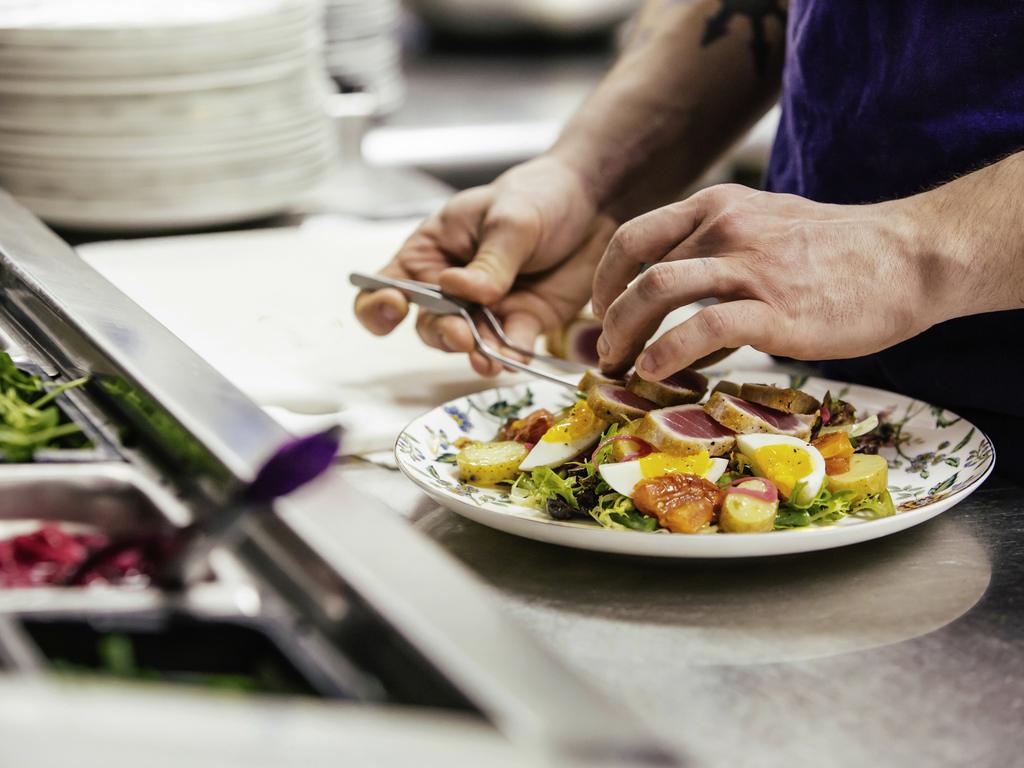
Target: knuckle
656, 282
621, 240
714, 322
627, 239
716, 195
761, 261
731, 223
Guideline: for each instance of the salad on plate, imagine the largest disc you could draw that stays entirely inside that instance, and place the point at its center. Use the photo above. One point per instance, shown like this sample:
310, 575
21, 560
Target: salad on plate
671, 457
935, 459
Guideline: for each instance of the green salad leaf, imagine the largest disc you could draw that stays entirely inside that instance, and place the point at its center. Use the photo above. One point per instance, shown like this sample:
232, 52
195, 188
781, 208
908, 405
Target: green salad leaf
873, 507
824, 508
829, 507
618, 512
541, 484
28, 419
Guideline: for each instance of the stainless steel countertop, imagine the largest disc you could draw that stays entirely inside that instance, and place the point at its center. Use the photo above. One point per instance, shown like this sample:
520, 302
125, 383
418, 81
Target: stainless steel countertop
908, 650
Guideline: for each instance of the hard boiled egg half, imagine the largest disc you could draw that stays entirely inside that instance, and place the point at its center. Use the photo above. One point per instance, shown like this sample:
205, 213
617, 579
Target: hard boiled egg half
578, 431
785, 461
624, 476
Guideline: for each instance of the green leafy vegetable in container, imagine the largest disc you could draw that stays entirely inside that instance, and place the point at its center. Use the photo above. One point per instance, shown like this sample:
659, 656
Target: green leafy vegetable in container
29, 419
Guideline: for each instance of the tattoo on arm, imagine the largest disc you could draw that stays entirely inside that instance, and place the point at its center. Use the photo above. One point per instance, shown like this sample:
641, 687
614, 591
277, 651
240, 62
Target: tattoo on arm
756, 11
644, 32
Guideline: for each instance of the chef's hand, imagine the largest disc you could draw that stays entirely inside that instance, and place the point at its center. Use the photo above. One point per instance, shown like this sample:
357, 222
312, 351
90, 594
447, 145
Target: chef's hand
792, 278
525, 245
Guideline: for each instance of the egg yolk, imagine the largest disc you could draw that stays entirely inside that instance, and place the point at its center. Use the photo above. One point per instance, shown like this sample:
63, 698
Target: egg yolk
658, 464
784, 465
581, 421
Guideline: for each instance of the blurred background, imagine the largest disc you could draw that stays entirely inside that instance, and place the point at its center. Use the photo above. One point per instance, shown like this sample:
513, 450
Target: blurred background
129, 119
492, 83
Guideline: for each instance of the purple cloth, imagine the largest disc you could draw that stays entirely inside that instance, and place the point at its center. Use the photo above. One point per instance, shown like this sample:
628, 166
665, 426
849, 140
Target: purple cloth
882, 99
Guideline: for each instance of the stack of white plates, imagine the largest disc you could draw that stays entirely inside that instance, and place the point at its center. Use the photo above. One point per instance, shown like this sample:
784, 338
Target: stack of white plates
153, 114
363, 48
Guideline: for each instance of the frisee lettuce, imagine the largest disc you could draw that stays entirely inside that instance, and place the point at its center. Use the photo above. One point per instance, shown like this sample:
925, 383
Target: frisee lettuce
618, 512
611, 509
872, 507
829, 507
542, 483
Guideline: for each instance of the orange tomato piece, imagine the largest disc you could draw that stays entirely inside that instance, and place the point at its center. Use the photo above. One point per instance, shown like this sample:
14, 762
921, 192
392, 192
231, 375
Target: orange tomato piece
837, 465
529, 429
836, 449
682, 503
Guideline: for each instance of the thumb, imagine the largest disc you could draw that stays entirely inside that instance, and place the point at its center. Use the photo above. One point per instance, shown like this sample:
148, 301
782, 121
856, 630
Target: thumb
508, 239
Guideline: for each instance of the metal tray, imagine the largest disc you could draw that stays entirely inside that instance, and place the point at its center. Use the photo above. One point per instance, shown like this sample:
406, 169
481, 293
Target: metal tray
112, 498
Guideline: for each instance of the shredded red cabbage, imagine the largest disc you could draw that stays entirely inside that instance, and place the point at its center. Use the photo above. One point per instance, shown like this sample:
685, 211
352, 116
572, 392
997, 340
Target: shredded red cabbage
50, 554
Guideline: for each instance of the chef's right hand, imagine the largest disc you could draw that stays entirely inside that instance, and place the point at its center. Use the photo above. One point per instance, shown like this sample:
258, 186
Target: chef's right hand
525, 245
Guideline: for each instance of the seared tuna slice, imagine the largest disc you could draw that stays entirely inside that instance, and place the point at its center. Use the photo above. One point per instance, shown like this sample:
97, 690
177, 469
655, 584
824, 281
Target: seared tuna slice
727, 387
685, 430
785, 400
613, 403
747, 418
593, 377
685, 386
577, 341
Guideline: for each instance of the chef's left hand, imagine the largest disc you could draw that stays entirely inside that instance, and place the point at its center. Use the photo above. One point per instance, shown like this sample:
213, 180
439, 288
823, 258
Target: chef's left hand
792, 278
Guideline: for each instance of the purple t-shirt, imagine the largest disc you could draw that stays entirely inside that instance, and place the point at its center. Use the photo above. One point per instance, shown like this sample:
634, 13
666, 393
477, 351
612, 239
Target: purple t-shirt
882, 99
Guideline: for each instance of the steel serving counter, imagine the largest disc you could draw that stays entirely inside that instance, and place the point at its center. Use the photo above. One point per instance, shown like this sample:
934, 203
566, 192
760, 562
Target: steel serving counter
904, 651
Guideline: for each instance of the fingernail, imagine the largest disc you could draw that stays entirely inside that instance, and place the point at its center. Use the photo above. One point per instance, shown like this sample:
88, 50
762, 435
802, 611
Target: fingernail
603, 347
647, 362
446, 345
389, 314
596, 308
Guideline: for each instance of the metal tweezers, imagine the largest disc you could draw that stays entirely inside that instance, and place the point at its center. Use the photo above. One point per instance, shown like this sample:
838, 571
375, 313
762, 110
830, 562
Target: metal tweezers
431, 297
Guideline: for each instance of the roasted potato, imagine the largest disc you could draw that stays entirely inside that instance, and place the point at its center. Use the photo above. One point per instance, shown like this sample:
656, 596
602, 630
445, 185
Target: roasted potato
741, 513
490, 463
868, 475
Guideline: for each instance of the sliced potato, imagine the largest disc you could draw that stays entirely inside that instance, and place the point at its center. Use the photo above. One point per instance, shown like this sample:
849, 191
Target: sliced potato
868, 475
745, 514
620, 449
490, 463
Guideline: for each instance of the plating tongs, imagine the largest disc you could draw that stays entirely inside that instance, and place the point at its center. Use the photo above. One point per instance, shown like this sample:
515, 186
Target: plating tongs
432, 298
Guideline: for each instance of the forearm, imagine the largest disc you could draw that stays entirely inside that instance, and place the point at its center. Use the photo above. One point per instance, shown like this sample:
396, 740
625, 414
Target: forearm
693, 78
971, 240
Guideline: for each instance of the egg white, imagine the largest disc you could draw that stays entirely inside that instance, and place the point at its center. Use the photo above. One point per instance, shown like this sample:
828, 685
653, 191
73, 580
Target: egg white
624, 476
749, 444
545, 454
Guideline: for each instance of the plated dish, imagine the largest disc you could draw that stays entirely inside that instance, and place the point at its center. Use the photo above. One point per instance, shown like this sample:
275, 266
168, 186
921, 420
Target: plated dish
937, 460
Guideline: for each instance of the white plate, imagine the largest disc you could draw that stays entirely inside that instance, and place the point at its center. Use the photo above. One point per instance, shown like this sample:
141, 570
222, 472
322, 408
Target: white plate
56, 150
158, 109
215, 206
116, 22
940, 460
269, 69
